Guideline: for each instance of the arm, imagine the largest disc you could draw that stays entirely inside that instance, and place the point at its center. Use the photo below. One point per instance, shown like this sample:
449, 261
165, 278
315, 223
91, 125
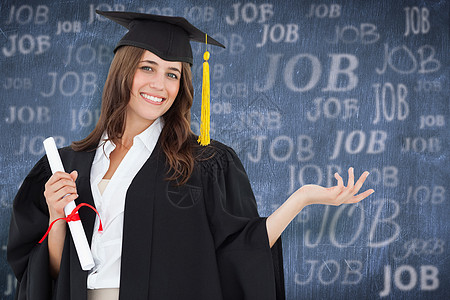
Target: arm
314, 194
248, 268
28, 259
57, 187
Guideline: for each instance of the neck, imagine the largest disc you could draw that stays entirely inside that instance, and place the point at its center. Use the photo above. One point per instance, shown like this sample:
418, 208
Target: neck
133, 128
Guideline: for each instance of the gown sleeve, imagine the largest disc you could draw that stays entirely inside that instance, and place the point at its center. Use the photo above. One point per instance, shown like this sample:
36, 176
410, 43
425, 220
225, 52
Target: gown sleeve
29, 221
248, 267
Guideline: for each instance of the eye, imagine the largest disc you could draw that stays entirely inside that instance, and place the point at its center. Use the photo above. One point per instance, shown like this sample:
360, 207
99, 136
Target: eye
172, 75
146, 68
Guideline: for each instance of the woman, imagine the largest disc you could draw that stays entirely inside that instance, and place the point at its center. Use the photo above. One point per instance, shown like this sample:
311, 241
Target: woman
180, 220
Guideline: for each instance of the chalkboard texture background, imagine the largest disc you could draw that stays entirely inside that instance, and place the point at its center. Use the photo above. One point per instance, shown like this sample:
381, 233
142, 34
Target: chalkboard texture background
303, 89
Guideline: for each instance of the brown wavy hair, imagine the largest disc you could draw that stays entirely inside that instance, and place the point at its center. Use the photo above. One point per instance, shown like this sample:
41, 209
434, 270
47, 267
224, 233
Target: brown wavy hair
176, 135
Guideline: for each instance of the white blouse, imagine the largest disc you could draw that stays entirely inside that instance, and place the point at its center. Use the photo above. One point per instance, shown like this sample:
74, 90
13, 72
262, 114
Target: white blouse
106, 246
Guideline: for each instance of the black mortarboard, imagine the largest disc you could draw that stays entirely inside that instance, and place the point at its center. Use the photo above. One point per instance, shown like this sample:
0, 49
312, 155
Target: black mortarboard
167, 37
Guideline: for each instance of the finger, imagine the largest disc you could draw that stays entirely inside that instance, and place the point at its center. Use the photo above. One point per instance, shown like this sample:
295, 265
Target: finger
348, 190
55, 183
351, 178
74, 175
360, 182
339, 179
59, 206
61, 184
56, 204
65, 191
69, 198
360, 197
66, 199
57, 176
340, 185
58, 190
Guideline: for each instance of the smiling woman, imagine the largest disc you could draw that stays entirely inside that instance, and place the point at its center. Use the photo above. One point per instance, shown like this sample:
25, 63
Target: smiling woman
133, 72
173, 212
155, 87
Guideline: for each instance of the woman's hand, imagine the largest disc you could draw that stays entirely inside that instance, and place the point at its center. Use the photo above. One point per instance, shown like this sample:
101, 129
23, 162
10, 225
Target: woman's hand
60, 189
336, 195
315, 194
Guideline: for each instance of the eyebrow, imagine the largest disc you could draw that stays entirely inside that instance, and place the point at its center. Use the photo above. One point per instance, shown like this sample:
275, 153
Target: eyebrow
155, 63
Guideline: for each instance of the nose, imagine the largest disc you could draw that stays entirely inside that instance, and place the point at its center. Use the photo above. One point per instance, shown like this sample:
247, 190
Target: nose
157, 82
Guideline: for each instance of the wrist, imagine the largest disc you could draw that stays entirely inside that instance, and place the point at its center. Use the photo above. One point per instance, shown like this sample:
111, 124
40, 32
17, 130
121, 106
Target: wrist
298, 200
54, 217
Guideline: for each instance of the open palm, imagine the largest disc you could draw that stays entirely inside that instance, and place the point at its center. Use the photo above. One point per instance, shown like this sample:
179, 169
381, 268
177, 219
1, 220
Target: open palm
338, 194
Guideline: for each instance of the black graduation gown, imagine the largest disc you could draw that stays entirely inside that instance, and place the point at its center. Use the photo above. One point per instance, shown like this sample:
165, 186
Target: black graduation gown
202, 240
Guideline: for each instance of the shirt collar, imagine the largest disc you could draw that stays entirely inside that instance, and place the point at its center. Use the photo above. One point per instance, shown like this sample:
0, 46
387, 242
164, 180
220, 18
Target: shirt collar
149, 137
105, 147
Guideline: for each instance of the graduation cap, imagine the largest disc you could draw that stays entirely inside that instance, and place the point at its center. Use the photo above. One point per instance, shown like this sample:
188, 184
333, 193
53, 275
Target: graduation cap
169, 38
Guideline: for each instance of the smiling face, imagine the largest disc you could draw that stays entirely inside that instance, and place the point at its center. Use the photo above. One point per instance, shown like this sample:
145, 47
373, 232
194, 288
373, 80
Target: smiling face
155, 87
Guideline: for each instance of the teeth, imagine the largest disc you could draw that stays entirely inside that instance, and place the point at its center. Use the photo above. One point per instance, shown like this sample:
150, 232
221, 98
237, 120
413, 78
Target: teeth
156, 99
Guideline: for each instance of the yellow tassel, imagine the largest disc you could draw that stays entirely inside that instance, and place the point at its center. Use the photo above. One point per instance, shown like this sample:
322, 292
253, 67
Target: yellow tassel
204, 138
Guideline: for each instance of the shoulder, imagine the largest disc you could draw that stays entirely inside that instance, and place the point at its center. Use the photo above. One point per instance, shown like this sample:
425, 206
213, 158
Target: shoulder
40, 171
216, 156
42, 168
66, 151
69, 151
70, 156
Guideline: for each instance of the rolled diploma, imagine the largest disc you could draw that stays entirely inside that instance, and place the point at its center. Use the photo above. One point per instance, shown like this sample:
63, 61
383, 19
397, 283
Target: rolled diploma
76, 228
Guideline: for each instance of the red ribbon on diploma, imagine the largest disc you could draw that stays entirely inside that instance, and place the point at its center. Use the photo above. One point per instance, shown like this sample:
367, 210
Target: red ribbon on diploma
74, 216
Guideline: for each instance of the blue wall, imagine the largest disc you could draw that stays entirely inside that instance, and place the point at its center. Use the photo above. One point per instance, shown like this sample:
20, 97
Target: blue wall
303, 89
